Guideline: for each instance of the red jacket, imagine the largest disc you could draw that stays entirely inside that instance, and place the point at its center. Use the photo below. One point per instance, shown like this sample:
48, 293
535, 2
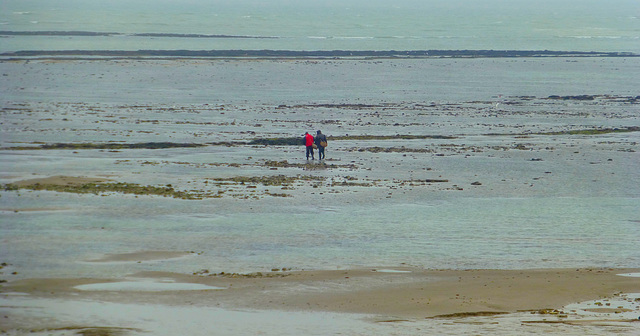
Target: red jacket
308, 140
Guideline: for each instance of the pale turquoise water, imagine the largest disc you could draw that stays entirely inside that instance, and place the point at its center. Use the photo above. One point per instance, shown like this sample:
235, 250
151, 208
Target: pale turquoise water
275, 83
329, 25
506, 233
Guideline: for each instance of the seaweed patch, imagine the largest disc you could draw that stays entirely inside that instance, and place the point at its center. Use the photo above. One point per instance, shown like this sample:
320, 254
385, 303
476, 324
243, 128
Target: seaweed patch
103, 188
111, 146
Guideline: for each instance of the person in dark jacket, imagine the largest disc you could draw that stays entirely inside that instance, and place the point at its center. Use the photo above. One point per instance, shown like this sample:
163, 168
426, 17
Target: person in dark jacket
308, 142
321, 142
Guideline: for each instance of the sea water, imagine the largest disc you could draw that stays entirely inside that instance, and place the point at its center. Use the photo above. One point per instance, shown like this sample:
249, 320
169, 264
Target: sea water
501, 233
325, 25
332, 81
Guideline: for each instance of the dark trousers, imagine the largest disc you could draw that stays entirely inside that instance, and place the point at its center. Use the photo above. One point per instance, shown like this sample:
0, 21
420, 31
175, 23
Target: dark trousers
320, 153
309, 152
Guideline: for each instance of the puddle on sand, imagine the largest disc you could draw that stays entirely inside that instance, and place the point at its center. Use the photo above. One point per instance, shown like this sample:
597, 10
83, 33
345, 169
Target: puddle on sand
633, 275
145, 286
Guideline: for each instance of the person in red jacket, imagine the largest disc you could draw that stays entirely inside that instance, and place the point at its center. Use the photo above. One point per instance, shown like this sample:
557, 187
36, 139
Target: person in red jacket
308, 141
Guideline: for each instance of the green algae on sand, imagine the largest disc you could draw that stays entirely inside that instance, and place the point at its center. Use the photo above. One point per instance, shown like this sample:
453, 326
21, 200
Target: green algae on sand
101, 188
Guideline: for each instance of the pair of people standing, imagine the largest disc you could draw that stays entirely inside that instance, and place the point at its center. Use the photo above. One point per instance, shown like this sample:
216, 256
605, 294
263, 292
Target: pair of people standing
320, 141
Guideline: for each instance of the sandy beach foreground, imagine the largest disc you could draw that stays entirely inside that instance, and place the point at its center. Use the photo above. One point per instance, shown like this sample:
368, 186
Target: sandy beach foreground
386, 295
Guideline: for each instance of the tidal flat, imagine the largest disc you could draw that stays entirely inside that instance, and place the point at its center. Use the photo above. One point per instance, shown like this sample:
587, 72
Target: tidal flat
430, 181
249, 150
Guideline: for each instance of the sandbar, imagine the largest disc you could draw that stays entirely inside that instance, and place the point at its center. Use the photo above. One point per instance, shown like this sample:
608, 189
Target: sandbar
415, 294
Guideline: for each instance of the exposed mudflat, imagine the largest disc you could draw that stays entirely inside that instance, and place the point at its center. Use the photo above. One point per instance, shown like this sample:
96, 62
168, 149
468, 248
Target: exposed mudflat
140, 192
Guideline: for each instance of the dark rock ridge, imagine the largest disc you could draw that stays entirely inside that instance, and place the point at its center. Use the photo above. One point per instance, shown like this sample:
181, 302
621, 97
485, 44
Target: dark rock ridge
56, 33
320, 53
89, 33
112, 146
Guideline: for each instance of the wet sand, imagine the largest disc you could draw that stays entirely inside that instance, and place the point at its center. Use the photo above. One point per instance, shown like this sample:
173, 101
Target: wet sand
382, 295
414, 294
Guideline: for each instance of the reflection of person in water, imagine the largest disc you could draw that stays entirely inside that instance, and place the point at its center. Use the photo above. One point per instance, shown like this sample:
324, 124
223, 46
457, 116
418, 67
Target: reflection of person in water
308, 141
321, 142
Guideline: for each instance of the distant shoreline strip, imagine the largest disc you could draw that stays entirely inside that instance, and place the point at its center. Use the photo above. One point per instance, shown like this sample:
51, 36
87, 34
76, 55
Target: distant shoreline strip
313, 54
89, 33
